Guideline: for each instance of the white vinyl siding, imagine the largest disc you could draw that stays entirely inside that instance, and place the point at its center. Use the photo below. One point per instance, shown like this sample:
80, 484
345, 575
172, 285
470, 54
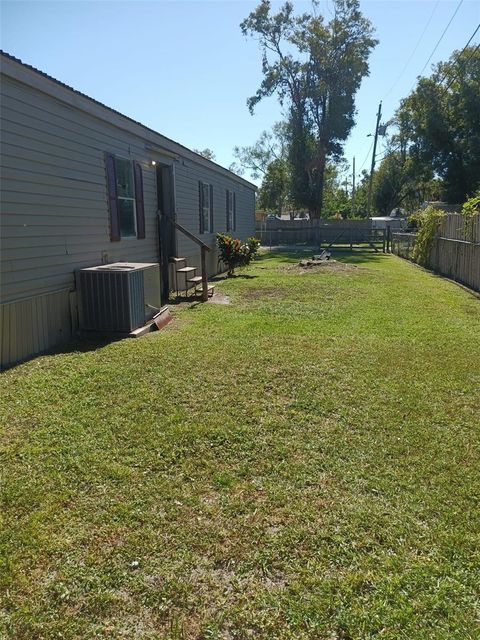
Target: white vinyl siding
187, 177
55, 216
55, 213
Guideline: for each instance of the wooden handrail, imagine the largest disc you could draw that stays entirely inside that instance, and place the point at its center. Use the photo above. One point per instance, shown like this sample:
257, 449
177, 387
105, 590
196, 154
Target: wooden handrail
191, 235
203, 250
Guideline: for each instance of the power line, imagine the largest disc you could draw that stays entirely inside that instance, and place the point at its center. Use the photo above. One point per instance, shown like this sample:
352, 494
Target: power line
461, 62
464, 65
460, 54
441, 37
471, 38
366, 157
413, 52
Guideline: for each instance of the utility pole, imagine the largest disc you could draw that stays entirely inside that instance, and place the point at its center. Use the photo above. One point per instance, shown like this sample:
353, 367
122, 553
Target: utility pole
369, 202
353, 187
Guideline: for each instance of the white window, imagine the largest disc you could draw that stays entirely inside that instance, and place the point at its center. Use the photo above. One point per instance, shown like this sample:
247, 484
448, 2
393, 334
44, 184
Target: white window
127, 218
231, 218
206, 207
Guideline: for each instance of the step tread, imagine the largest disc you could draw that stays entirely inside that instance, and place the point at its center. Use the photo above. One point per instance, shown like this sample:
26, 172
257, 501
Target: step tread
210, 291
195, 279
175, 259
186, 269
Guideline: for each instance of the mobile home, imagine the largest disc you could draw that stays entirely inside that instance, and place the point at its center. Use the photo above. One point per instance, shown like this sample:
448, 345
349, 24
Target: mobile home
83, 185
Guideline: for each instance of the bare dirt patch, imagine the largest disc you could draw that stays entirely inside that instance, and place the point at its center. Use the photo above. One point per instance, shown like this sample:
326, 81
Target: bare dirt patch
219, 298
263, 292
309, 266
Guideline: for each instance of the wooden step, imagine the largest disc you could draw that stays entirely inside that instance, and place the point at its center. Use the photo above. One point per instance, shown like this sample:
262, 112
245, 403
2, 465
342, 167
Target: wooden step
175, 260
210, 290
186, 269
195, 279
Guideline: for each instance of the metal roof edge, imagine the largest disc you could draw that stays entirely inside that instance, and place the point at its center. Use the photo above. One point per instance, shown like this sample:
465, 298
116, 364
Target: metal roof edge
195, 157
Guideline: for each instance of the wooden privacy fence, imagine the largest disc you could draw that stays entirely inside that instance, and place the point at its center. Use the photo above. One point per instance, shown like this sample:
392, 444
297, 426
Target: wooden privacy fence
455, 250
321, 233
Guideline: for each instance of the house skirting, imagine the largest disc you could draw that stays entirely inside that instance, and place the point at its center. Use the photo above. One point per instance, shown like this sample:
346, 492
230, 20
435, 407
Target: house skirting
33, 325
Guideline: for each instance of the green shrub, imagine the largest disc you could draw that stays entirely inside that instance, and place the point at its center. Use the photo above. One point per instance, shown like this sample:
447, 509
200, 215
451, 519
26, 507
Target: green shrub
472, 206
427, 221
470, 209
235, 253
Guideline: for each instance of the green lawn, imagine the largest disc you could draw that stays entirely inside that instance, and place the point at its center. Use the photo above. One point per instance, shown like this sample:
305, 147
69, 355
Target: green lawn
302, 463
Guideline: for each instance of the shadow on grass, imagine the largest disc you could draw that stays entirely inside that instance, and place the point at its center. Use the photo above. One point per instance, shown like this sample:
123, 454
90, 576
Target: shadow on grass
285, 255
294, 254
189, 300
358, 256
76, 345
223, 276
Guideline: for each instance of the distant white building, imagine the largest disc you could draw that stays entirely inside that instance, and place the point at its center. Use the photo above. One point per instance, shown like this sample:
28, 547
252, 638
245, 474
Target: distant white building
396, 220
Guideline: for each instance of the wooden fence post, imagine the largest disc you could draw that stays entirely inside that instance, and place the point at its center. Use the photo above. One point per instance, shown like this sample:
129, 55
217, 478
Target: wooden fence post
204, 275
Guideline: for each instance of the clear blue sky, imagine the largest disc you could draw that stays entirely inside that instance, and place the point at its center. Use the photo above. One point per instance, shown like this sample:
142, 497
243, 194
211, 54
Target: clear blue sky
184, 68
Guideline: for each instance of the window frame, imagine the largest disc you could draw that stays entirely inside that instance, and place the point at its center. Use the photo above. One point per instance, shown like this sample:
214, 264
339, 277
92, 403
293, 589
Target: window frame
137, 196
127, 198
206, 207
231, 221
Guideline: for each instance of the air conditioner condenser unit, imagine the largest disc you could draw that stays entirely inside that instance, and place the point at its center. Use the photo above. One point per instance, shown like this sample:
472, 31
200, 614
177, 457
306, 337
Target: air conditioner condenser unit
119, 297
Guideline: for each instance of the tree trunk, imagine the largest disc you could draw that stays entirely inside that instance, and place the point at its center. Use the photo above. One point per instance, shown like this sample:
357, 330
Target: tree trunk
316, 187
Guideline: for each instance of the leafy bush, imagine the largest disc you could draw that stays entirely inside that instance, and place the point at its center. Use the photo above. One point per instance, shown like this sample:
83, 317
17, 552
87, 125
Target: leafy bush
470, 209
427, 221
472, 206
235, 253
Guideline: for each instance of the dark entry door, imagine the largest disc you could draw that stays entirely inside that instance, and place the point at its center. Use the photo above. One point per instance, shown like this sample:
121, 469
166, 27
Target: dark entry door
166, 228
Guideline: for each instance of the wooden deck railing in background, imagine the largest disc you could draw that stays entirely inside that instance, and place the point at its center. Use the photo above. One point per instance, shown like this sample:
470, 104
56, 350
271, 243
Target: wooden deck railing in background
455, 252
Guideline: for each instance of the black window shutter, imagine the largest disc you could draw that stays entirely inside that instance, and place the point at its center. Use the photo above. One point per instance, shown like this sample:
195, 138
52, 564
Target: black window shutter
112, 197
234, 211
140, 206
211, 208
200, 201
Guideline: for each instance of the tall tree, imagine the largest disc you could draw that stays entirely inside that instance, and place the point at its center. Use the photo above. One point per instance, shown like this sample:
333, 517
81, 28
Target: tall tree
271, 146
394, 182
439, 124
315, 69
268, 159
274, 192
336, 198
400, 182
206, 153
